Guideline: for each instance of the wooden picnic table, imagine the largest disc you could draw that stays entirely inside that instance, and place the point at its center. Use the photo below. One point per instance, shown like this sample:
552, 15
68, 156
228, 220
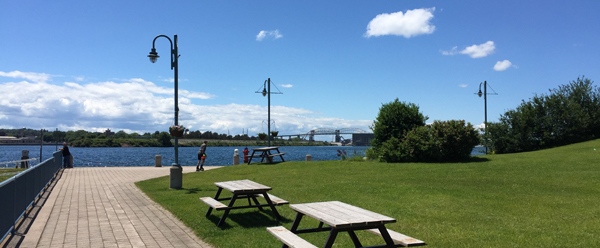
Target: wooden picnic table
266, 154
242, 189
341, 217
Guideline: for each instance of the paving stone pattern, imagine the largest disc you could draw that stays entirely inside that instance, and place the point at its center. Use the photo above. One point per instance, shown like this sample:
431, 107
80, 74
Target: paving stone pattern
101, 207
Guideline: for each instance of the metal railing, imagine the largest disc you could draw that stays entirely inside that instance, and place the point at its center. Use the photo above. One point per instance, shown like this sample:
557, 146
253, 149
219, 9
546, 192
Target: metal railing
19, 193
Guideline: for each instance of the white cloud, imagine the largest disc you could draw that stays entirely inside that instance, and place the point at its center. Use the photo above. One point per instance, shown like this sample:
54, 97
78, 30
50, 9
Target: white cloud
412, 23
479, 51
287, 85
141, 106
32, 76
452, 51
463, 85
263, 34
502, 65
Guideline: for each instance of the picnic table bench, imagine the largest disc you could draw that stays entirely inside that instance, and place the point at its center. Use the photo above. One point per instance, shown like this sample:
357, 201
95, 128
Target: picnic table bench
242, 189
340, 217
265, 153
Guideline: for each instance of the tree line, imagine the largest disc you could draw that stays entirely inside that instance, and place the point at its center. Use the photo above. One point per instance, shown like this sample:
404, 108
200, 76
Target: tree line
566, 115
82, 138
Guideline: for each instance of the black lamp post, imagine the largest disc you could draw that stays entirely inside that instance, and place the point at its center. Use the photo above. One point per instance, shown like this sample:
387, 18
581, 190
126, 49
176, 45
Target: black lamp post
484, 94
267, 91
176, 170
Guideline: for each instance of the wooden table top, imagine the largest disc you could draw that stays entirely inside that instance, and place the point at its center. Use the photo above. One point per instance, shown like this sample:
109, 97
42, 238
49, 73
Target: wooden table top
242, 186
338, 214
266, 148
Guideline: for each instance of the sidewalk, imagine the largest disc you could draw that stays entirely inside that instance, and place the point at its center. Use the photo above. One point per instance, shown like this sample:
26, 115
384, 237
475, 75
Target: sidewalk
101, 207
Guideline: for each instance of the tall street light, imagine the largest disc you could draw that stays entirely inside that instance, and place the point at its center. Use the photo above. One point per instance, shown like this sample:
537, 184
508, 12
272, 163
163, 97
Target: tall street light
267, 91
484, 94
176, 170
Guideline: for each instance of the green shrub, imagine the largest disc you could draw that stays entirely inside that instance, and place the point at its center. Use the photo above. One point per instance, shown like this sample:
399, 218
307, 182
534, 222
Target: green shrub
371, 154
442, 141
394, 120
452, 140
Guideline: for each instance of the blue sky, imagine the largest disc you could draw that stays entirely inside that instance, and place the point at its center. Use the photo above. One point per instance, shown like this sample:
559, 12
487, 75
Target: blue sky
83, 64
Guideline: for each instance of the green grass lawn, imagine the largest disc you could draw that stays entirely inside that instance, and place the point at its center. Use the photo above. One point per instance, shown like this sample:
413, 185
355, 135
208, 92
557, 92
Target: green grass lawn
6, 173
548, 198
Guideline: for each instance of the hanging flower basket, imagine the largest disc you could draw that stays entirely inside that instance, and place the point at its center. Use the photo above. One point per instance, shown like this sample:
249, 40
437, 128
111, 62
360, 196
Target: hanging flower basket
274, 133
176, 131
262, 136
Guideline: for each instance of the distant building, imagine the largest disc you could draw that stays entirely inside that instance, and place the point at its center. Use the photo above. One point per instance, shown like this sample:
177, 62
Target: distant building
108, 133
362, 139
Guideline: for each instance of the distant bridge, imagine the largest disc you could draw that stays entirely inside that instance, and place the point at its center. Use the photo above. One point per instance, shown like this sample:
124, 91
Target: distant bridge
328, 131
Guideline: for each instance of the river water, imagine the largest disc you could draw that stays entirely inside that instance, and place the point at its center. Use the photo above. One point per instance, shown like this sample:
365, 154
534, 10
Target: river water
144, 156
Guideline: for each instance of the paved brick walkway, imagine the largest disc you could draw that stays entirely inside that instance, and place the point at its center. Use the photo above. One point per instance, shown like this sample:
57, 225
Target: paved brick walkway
101, 207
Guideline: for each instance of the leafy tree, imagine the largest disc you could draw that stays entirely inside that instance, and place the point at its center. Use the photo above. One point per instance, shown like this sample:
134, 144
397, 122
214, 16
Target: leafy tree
155, 135
121, 135
164, 139
568, 114
394, 120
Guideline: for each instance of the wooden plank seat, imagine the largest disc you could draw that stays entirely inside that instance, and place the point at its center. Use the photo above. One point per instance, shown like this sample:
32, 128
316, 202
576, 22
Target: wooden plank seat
213, 203
399, 238
276, 200
278, 154
289, 238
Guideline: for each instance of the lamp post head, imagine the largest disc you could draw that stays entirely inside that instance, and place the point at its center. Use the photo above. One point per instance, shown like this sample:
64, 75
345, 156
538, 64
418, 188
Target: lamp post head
264, 92
153, 55
479, 93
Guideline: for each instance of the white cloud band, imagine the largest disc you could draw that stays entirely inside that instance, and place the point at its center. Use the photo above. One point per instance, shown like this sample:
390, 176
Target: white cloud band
141, 106
32, 76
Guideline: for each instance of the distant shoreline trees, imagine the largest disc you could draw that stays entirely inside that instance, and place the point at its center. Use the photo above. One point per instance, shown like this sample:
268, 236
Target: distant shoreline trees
82, 138
567, 115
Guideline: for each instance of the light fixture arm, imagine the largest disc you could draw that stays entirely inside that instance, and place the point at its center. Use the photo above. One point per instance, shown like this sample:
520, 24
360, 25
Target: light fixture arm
174, 55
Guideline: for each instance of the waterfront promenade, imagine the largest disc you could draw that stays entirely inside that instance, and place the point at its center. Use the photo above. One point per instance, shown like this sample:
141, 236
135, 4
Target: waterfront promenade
101, 207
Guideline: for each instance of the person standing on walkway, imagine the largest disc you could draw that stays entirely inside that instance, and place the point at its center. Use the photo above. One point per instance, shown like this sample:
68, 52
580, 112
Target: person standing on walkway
201, 156
66, 156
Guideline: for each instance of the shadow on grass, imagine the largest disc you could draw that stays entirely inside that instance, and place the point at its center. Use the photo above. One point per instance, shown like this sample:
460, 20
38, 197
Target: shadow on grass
476, 160
253, 219
195, 190
267, 163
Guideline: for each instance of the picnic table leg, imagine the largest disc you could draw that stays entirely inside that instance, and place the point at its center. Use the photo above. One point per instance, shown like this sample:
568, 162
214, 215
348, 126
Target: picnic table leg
256, 202
354, 239
251, 156
296, 222
281, 156
263, 156
295, 225
331, 238
269, 158
272, 206
233, 198
216, 198
386, 236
